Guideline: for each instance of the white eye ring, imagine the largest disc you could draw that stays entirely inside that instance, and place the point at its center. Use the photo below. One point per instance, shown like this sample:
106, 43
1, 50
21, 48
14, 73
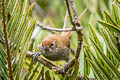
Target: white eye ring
52, 44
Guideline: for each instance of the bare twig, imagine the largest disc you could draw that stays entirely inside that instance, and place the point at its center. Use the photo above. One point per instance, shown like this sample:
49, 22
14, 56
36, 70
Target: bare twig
55, 68
79, 44
77, 26
65, 20
8, 57
74, 9
67, 34
67, 66
69, 12
41, 60
56, 29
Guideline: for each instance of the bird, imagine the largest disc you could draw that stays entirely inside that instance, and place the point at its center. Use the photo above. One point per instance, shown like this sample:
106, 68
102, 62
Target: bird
55, 47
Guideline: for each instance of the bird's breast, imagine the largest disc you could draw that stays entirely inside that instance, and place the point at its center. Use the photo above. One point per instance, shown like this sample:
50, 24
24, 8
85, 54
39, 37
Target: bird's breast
57, 54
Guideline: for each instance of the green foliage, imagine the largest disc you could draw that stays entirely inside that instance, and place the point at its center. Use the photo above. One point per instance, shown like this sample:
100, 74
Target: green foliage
102, 52
19, 27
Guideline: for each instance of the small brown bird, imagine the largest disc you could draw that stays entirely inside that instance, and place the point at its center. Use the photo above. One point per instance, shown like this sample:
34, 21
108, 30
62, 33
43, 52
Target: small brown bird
55, 47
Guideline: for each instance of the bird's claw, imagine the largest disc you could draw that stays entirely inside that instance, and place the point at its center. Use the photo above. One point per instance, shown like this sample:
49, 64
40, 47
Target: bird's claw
59, 70
35, 55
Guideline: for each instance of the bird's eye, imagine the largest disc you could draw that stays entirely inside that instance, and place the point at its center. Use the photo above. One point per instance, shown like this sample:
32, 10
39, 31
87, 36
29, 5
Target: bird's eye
52, 44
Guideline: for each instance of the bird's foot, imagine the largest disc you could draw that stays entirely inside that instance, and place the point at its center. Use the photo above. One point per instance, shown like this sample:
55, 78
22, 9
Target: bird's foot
36, 55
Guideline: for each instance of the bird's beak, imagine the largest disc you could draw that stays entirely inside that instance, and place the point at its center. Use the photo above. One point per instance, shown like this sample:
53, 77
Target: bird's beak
46, 48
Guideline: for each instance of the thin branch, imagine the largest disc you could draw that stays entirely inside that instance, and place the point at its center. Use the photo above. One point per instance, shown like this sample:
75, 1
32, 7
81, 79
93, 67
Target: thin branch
8, 57
79, 46
56, 29
79, 32
74, 9
68, 8
67, 66
65, 20
41, 60
64, 26
76, 18
78, 29
51, 66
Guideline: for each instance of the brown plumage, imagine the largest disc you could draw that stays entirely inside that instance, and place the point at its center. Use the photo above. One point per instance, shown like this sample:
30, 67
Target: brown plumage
55, 47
